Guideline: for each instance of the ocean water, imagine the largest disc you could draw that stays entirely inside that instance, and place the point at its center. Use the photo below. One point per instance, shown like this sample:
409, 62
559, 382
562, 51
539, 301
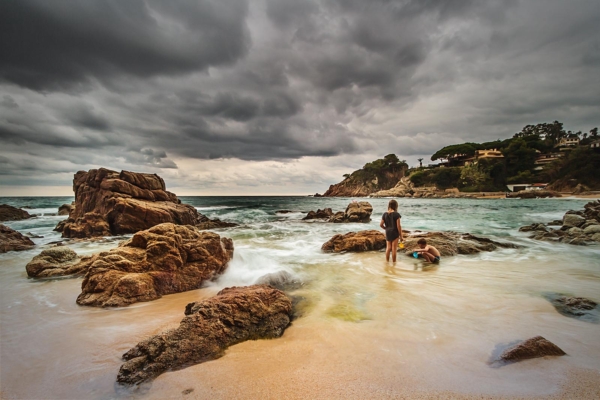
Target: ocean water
368, 327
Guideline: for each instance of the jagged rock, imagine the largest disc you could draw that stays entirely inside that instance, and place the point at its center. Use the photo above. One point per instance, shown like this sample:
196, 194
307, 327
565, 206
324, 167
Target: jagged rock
56, 261
596, 237
233, 316
403, 188
355, 242
531, 348
575, 307
452, 243
164, 259
573, 220
60, 226
589, 222
555, 222
319, 214
533, 194
11, 240
66, 209
358, 212
206, 223
533, 227
575, 231
10, 213
111, 203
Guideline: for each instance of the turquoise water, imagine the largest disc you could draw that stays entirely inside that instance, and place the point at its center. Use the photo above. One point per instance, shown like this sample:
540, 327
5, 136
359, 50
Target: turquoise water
443, 321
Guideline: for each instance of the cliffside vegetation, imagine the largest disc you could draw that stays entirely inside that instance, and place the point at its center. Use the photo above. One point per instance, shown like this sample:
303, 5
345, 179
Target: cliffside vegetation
573, 164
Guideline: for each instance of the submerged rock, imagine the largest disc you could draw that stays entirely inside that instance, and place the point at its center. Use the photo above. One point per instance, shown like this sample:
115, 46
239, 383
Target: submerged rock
210, 326
66, 209
575, 307
11, 240
56, 261
355, 212
164, 259
355, 242
281, 280
111, 203
10, 213
531, 348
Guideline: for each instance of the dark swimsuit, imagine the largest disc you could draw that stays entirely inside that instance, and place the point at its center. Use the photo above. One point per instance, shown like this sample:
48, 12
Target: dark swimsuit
391, 230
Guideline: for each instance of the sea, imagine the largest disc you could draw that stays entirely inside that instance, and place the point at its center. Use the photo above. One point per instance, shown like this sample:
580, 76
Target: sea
367, 328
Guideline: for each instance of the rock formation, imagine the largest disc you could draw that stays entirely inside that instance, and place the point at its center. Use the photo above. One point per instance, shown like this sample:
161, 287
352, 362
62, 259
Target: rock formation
452, 243
112, 203
10, 213
11, 240
355, 212
576, 307
355, 242
164, 259
66, 209
210, 326
531, 348
404, 188
54, 262
577, 227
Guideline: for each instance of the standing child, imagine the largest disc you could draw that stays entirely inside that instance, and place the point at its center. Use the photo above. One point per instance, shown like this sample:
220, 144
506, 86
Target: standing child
390, 221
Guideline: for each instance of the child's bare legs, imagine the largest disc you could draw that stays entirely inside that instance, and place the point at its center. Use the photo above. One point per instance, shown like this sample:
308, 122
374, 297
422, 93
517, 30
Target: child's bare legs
427, 256
388, 249
394, 249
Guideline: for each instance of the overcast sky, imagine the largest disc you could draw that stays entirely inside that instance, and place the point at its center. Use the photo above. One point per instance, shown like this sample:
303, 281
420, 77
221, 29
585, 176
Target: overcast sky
279, 96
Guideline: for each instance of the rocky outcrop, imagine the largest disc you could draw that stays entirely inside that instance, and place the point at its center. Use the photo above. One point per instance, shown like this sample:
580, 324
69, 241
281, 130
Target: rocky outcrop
533, 194
576, 307
531, 348
164, 259
210, 326
578, 227
11, 240
10, 213
452, 243
355, 242
66, 209
55, 262
319, 214
113, 203
355, 212
404, 188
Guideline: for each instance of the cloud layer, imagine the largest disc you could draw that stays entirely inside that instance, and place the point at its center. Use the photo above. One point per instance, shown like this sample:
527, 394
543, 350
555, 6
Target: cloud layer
280, 96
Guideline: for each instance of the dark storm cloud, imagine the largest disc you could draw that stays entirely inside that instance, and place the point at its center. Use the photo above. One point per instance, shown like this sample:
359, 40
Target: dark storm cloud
154, 83
48, 45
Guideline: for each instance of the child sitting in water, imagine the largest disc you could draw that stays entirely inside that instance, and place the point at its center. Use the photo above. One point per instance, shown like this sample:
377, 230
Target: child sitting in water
429, 253
390, 221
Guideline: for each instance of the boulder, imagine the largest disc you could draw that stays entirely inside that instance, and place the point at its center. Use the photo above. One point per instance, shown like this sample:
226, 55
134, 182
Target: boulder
319, 214
452, 243
209, 327
531, 348
10, 213
355, 242
111, 203
11, 240
358, 212
533, 227
164, 259
56, 261
596, 237
573, 220
575, 231
66, 209
575, 307
592, 229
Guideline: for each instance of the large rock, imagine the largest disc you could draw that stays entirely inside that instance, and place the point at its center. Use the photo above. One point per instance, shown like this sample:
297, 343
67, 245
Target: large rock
210, 326
531, 348
573, 220
355, 242
10, 213
164, 259
404, 188
358, 212
56, 261
113, 203
452, 243
576, 307
11, 240
590, 230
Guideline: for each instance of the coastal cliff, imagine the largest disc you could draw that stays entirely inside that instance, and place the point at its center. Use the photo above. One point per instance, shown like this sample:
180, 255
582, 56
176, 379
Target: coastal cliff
381, 174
